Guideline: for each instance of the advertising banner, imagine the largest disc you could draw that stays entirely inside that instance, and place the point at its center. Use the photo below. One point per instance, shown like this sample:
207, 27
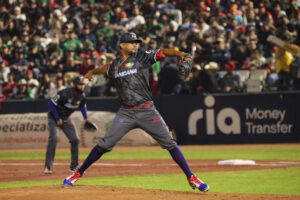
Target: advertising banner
212, 119
265, 118
30, 130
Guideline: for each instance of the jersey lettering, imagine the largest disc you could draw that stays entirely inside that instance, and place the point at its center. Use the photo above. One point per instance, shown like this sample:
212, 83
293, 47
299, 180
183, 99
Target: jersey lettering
126, 73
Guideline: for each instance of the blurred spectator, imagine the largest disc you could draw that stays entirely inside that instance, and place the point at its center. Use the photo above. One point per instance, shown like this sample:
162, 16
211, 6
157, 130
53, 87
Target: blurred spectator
143, 35
193, 85
99, 79
6, 53
154, 28
47, 88
33, 85
73, 43
9, 86
20, 66
168, 78
105, 33
36, 60
256, 61
136, 19
52, 66
220, 55
231, 81
21, 91
4, 71
87, 36
154, 71
210, 79
283, 62
86, 65
59, 84
172, 34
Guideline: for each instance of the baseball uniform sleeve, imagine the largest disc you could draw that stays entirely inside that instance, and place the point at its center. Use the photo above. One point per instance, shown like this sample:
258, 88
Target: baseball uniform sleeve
147, 57
59, 99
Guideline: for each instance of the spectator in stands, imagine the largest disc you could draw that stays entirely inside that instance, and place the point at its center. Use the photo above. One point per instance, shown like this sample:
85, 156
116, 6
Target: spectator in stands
193, 84
20, 66
220, 55
99, 80
264, 15
32, 84
86, 65
53, 66
154, 71
172, 33
168, 78
73, 43
88, 36
209, 78
59, 83
9, 87
21, 91
4, 71
283, 62
36, 60
136, 19
143, 35
32, 89
47, 88
154, 28
256, 61
231, 81
6, 53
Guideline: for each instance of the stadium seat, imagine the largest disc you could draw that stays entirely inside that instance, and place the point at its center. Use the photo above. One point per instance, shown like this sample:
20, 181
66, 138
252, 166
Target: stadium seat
254, 85
257, 80
258, 74
245, 74
221, 73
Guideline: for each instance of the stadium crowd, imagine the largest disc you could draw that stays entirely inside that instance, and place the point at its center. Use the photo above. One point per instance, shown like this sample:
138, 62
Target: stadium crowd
45, 43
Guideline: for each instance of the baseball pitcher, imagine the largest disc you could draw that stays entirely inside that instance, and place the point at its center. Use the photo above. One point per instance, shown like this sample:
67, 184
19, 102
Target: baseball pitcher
129, 73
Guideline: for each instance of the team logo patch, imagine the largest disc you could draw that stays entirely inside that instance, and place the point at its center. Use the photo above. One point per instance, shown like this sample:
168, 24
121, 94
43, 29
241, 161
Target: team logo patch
129, 65
156, 119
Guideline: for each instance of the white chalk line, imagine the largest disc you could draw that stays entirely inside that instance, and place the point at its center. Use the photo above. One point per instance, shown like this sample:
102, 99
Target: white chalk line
63, 164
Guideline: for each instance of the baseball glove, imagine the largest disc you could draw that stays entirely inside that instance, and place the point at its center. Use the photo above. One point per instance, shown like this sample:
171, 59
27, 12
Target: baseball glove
184, 69
90, 126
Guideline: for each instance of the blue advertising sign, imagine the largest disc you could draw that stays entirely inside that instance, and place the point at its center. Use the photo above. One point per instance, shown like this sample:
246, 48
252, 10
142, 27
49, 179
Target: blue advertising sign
257, 118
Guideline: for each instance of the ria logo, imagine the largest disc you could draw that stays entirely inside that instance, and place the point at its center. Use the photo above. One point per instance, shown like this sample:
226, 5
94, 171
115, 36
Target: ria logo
234, 127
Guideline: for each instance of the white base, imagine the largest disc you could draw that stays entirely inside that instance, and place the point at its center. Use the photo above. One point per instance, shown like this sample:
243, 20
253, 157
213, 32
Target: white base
236, 162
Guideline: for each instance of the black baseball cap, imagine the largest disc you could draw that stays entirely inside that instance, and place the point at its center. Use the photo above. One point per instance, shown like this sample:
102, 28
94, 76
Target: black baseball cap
129, 37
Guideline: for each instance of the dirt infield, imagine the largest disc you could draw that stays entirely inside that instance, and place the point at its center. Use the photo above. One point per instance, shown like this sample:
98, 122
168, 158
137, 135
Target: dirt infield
100, 192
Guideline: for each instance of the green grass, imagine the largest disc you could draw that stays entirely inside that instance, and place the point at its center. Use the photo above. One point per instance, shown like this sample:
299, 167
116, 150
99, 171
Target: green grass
255, 153
275, 181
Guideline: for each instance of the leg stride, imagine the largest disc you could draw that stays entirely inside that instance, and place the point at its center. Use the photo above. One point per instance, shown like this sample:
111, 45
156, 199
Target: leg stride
92, 157
193, 180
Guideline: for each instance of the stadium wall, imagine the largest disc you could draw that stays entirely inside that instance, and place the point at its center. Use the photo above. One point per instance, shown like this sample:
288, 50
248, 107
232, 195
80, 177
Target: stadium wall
212, 119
